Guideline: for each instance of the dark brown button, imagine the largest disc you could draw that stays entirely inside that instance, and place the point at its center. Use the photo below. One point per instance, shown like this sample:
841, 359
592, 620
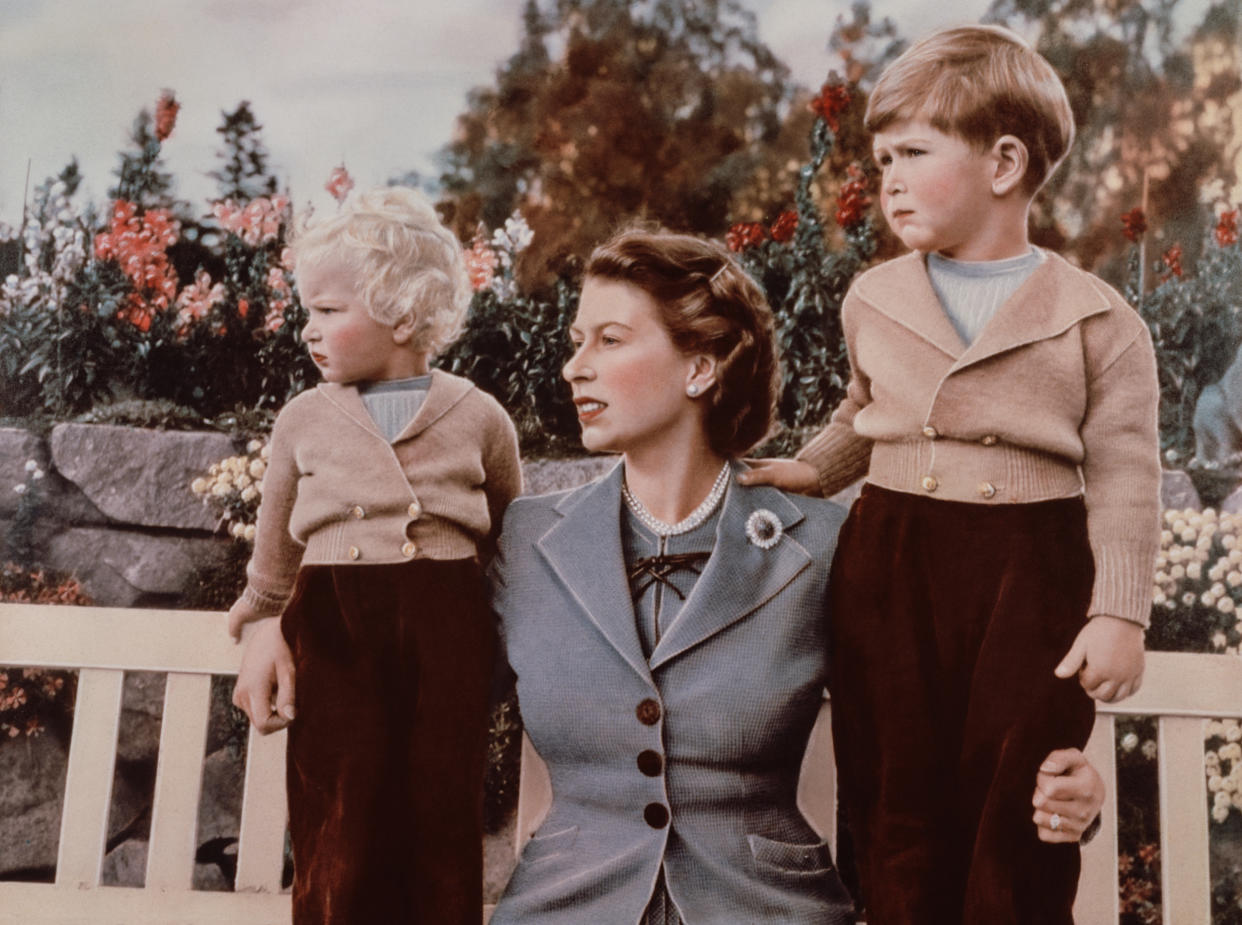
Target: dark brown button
650, 763
648, 712
656, 815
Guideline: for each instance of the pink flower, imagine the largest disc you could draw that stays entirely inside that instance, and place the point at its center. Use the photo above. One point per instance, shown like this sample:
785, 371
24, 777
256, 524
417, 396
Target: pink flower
481, 263
166, 109
339, 183
197, 300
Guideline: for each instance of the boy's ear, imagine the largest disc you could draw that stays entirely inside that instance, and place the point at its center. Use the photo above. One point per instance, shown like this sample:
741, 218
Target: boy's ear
403, 330
1012, 159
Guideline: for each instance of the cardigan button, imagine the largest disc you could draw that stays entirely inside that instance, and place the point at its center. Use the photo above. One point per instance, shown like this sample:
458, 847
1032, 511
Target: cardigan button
415, 510
358, 512
930, 432
929, 483
650, 763
989, 439
656, 815
354, 552
987, 490
648, 712
408, 550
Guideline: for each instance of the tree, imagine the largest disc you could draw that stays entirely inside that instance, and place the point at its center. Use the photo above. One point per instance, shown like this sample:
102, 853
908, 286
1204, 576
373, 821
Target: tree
665, 109
243, 175
141, 176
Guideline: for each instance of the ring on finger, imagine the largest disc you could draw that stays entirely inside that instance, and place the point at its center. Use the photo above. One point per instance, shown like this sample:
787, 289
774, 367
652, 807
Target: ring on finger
1055, 822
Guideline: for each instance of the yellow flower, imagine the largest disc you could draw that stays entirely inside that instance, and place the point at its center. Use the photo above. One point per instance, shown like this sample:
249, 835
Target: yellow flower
249, 531
1177, 571
220, 489
1225, 605
1208, 598
238, 529
254, 446
199, 486
257, 468
1166, 537
1194, 570
249, 493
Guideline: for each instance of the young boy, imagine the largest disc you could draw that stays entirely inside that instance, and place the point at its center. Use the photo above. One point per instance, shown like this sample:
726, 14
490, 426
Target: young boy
1002, 405
385, 485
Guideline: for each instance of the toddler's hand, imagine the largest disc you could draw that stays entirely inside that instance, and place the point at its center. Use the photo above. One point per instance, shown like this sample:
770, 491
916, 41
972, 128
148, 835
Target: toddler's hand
240, 614
1107, 656
264, 689
786, 474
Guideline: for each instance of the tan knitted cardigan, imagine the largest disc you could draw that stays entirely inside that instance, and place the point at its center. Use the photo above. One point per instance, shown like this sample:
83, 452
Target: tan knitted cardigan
337, 492
1058, 396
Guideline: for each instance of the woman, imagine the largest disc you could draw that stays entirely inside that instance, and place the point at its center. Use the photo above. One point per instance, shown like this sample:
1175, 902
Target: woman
668, 627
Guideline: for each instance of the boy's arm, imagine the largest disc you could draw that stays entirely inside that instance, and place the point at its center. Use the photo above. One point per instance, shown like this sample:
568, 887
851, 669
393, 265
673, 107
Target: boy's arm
837, 456
264, 688
277, 555
502, 479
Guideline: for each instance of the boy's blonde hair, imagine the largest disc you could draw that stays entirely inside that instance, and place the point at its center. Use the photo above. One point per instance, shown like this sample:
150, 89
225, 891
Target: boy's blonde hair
408, 263
979, 83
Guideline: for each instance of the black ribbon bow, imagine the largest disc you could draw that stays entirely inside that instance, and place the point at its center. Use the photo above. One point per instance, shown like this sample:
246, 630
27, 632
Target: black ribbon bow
660, 567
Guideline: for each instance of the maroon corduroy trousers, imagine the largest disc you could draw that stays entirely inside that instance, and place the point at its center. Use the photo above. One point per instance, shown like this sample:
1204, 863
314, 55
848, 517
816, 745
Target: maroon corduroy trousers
948, 619
385, 758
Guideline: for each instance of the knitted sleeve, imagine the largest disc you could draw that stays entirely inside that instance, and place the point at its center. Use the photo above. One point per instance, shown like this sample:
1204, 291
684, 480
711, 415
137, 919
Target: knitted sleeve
1121, 475
502, 466
274, 564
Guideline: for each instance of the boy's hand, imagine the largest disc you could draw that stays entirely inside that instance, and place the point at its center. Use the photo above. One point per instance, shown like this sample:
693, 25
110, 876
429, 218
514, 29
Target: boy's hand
264, 689
240, 614
786, 474
1107, 656
1069, 787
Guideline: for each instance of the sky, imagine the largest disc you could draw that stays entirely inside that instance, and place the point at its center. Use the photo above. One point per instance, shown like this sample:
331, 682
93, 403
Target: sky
373, 84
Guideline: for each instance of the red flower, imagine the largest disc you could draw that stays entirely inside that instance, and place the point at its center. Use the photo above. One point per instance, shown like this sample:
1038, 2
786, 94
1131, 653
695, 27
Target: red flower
138, 244
166, 109
745, 234
833, 100
1134, 223
339, 183
1172, 260
1227, 228
784, 227
853, 201
243, 308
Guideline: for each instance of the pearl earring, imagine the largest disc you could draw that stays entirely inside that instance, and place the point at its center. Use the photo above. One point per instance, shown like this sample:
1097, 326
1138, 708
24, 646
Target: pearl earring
692, 390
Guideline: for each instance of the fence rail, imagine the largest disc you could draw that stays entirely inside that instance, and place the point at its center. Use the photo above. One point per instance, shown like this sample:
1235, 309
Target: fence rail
1182, 690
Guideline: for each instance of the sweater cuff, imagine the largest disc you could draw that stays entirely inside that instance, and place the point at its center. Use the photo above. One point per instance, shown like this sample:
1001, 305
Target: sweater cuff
1124, 582
839, 456
268, 605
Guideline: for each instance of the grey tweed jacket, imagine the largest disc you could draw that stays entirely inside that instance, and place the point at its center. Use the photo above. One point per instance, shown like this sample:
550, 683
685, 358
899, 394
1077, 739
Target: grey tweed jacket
689, 760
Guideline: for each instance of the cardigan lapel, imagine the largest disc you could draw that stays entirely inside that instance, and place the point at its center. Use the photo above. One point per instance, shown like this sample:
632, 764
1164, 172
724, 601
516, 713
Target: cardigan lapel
445, 392
902, 291
584, 549
1053, 299
740, 577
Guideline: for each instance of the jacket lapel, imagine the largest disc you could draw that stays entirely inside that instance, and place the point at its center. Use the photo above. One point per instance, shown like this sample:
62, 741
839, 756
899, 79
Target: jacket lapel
741, 576
584, 549
445, 392
348, 399
902, 291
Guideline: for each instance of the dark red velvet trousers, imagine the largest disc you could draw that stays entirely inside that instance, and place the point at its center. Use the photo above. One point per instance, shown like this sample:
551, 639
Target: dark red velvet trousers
385, 759
948, 619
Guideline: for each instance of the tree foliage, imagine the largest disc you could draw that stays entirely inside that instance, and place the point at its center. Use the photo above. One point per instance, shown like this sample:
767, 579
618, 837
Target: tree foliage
243, 174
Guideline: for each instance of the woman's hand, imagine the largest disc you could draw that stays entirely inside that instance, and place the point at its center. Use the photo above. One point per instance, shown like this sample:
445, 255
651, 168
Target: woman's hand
264, 689
240, 614
786, 474
1068, 791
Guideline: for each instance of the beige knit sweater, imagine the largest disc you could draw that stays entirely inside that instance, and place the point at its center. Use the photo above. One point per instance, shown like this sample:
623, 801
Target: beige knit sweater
1058, 396
336, 492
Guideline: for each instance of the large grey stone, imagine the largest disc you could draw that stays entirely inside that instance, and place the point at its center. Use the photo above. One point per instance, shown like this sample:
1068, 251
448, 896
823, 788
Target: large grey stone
1233, 502
543, 475
140, 476
32, 783
124, 568
219, 815
142, 707
1177, 491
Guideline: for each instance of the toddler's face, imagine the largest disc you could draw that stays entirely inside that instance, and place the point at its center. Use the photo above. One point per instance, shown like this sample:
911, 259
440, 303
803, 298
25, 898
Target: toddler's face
936, 190
346, 343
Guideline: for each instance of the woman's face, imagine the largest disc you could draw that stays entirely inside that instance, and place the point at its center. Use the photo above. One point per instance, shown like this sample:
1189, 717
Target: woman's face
629, 380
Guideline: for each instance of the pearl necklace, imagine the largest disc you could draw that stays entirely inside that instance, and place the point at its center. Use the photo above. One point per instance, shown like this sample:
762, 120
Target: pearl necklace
697, 516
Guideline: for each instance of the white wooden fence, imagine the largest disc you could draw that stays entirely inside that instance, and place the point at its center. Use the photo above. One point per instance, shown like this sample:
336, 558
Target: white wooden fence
1182, 690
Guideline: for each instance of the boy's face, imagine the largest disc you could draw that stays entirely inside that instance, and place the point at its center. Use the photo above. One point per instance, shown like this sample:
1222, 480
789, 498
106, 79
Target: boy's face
936, 190
346, 343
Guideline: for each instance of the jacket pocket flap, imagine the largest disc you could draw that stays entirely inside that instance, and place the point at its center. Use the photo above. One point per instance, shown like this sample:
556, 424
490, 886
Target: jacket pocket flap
815, 856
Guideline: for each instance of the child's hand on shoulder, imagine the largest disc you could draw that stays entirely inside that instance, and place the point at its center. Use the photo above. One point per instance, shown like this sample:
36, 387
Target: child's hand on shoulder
264, 689
786, 474
1107, 656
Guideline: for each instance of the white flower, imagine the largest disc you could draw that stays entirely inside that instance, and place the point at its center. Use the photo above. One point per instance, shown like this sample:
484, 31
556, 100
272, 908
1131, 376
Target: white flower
1225, 605
1219, 641
31, 465
237, 529
1149, 748
1129, 741
257, 468
254, 446
1188, 598
1214, 783
37, 474
764, 529
199, 486
249, 493
1233, 733
20, 489
1220, 813
1194, 570
249, 532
